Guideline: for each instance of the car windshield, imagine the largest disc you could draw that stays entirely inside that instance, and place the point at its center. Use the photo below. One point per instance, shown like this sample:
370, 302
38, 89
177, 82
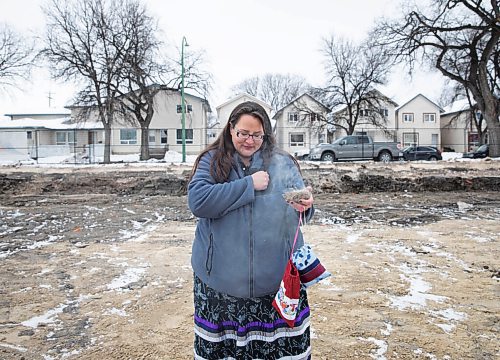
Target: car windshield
408, 148
482, 148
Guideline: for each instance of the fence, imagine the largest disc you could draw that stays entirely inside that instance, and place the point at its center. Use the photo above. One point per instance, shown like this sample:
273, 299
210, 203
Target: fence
80, 146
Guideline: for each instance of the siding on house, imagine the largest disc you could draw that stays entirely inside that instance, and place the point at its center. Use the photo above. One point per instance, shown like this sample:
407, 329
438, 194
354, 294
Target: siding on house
418, 122
300, 125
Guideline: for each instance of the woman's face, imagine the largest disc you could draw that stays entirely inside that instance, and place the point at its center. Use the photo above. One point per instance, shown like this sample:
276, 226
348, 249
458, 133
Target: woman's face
244, 144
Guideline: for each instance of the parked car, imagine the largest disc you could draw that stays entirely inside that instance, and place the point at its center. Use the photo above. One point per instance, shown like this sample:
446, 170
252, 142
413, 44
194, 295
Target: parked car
428, 153
480, 153
356, 147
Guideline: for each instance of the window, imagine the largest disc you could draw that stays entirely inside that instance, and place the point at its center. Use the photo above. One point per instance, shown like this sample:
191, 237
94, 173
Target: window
29, 135
429, 117
321, 138
384, 112
363, 112
189, 108
128, 136
293, 117
314, 117
152, 137
410, 139
434, 139
65, 138
189, 136
296, 139
408, 117
163, 136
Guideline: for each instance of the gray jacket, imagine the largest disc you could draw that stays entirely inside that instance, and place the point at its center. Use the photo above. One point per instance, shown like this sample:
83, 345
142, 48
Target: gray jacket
244, 237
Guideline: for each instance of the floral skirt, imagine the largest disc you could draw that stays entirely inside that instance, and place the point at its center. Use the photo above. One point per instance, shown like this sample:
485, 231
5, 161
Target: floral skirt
228, 327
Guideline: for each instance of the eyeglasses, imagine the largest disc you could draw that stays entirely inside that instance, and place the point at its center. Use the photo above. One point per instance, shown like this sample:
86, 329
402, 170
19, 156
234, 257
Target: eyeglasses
245, 135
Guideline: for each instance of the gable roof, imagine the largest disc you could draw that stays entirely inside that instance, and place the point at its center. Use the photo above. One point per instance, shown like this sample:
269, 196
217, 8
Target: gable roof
416, 96
49, 124
280, 111
239, 96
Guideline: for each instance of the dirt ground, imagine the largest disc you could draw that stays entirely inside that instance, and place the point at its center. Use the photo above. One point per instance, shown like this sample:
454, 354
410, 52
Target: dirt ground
94, 261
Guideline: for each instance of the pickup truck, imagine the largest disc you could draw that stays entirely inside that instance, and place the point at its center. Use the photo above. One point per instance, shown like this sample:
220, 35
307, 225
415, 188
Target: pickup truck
356, 147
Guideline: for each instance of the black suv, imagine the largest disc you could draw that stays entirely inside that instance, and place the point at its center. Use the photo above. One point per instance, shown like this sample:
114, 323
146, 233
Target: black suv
429, 153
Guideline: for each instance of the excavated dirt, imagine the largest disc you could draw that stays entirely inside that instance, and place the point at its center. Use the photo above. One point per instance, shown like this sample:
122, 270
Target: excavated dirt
94, 261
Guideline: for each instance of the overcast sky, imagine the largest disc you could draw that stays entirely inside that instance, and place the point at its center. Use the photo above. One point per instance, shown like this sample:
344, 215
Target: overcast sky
241, 39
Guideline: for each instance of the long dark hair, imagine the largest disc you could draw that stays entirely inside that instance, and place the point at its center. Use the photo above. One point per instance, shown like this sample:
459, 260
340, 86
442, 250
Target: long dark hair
222, 160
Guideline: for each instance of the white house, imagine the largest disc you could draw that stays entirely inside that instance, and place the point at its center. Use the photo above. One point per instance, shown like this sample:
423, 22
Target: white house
383, 115
458, 128
418, 122
301, 125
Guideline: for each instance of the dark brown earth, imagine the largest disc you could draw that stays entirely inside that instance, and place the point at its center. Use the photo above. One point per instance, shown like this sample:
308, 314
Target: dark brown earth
94, 261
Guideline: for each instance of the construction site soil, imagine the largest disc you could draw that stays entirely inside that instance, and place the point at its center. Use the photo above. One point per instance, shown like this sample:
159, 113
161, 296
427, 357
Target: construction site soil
95, 261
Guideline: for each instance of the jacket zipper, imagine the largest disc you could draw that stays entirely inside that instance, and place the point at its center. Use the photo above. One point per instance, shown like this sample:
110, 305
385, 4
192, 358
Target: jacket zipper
251, 252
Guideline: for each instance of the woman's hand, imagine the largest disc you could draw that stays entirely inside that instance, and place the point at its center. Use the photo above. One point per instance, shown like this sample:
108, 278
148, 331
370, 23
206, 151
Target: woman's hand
260, 180
303, 204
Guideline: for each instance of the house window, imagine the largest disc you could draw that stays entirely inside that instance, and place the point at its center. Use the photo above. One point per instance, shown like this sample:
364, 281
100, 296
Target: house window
408, 117
296, 139
152, 136
363, 112
189, 136
314, 117
128, 136
410, 139
65, 138
29, 135
384, 112
321, 138
434, 139
163, 136
189, 108
429, 117
293, 117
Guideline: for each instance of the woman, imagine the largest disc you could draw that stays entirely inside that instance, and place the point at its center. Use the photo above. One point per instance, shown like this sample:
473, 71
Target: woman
243, 241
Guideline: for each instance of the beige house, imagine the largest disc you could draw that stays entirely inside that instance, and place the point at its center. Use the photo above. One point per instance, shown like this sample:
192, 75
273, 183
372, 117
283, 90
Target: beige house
418, 122
384, 115
301, 125
458, 129
165, 129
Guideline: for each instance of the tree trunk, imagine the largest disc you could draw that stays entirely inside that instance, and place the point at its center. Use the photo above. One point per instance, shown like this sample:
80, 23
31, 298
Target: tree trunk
107, 144
144, 143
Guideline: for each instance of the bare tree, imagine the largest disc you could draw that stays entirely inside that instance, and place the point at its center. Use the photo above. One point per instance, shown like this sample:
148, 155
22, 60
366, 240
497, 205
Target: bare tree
277, 90
352, 73
16, 57
80, 45
461, 39
139, 51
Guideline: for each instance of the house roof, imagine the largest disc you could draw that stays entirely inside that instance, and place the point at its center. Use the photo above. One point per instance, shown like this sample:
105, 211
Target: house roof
239, 96
457, 107
280, 111
50, 124
416, 96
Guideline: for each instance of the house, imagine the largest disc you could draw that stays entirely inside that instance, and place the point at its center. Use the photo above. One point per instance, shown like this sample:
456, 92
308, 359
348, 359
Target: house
165, 129
300, 125
38, 138
418, 122
376, 117
458, 128
224, 111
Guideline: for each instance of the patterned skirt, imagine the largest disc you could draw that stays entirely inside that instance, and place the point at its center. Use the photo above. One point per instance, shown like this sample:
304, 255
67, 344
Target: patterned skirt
228, 327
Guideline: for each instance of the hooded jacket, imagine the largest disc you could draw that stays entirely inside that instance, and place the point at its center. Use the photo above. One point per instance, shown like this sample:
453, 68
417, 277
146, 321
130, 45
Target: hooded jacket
244, 237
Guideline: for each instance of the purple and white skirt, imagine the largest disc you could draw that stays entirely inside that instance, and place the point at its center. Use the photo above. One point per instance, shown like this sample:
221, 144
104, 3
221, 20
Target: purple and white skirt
228, 327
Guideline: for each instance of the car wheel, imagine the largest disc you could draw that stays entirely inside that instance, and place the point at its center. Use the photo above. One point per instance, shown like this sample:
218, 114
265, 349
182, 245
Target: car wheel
432, 158
385, 157
328, 156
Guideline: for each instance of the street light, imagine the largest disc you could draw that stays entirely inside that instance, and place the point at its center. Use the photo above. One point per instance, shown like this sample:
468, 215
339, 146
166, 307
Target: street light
183, 103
